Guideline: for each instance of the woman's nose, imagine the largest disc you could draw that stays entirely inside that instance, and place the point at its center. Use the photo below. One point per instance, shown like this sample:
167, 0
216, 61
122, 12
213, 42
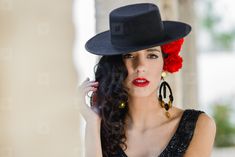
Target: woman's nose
140, 70
140, 67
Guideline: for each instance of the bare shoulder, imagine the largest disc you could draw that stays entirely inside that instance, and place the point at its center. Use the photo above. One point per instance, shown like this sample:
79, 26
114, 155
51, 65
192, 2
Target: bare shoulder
205, 121
203, 138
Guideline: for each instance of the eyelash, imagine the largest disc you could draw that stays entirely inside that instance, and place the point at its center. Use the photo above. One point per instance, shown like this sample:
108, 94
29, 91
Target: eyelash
155, 56
128, 56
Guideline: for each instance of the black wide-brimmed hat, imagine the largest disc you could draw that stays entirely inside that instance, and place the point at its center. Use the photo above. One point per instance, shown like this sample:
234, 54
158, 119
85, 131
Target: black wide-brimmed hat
136, 27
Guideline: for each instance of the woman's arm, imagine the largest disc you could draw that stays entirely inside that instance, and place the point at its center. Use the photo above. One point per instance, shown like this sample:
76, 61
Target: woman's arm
92, 118
203, 138
92, 139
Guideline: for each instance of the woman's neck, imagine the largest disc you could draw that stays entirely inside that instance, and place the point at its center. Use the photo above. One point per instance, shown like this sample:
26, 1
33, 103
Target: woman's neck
144, 113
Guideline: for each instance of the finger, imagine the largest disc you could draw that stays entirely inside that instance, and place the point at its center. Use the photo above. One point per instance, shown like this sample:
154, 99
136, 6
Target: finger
86, 80
88, 83
91, 84
88, 89
95, 85
88, 86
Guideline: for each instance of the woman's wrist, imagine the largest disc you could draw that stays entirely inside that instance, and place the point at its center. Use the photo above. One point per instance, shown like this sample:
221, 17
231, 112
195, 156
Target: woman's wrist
93, 121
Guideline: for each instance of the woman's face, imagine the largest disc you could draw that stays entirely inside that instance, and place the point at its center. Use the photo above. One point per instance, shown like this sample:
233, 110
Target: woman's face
144, 71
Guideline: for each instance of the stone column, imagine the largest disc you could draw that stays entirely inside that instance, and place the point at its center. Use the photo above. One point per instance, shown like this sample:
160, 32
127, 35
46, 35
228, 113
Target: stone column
184, 83
38, 113
104, 7
169, 10
189, 71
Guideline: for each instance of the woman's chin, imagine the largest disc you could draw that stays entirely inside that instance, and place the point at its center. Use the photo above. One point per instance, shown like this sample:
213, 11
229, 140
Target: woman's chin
140, 94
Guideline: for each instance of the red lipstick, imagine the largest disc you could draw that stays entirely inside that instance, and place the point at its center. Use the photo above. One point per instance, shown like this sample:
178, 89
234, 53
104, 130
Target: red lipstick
140, 82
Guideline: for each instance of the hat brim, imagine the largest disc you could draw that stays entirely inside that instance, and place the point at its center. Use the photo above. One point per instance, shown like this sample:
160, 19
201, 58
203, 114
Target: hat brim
101, 44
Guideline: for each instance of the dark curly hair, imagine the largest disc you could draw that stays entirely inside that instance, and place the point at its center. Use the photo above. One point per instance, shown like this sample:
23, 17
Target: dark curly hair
111, 72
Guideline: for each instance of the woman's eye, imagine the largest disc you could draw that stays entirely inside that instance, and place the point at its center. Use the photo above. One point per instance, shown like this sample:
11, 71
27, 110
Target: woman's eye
153, 56
127, 56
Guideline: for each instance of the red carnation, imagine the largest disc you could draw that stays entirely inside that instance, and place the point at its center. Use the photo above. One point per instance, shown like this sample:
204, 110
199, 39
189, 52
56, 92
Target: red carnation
173, 47
172, 63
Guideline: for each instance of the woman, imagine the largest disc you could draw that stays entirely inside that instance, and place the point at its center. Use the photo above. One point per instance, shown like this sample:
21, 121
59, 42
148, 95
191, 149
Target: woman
132, 111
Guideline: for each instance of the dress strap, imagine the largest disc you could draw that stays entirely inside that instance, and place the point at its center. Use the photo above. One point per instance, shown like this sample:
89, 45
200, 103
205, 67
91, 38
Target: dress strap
183, 135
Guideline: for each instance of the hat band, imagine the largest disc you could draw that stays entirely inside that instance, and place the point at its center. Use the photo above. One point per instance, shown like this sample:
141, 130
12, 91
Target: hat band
122, 43
123, 34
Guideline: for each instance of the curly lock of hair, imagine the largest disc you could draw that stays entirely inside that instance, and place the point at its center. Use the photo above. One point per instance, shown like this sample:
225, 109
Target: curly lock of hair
111, 72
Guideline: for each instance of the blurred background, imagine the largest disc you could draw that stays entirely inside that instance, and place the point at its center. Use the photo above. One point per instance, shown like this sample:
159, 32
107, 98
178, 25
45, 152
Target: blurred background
42, 60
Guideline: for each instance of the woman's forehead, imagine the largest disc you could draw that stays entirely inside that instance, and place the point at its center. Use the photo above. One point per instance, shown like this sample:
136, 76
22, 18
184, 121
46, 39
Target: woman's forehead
156, 49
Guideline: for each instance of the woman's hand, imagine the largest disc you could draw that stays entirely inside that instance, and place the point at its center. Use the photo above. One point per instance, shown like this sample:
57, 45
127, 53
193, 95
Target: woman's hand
92, 118
88, 113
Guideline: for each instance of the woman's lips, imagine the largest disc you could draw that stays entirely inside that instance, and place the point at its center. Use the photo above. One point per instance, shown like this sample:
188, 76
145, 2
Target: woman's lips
140, 82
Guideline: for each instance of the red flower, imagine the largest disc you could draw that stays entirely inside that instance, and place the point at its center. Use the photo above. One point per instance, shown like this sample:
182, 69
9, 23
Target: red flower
173, 47
172, 63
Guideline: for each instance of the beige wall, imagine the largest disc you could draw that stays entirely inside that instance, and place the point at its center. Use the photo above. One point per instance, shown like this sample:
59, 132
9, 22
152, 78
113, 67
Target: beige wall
38, 112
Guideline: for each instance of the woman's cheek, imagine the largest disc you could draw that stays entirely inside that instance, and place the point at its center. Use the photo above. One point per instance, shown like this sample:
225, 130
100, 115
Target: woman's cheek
126, 84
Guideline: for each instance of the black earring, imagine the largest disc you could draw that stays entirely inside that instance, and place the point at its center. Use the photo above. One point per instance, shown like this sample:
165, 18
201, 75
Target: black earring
164, 105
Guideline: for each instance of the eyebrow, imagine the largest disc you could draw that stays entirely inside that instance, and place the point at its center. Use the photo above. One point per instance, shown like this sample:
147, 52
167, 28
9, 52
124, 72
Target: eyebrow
152, 49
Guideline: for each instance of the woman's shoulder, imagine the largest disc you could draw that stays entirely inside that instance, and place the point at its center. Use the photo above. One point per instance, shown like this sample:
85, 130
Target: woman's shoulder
203, 137
191, 132
204, 120
201, 118
205, 128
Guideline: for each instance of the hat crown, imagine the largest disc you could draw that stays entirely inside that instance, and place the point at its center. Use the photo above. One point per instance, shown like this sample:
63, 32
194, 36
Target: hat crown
136, 27
136, 24
133, 9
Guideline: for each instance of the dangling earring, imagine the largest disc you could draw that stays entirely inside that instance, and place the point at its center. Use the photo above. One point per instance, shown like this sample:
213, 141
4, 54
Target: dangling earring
163, 87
